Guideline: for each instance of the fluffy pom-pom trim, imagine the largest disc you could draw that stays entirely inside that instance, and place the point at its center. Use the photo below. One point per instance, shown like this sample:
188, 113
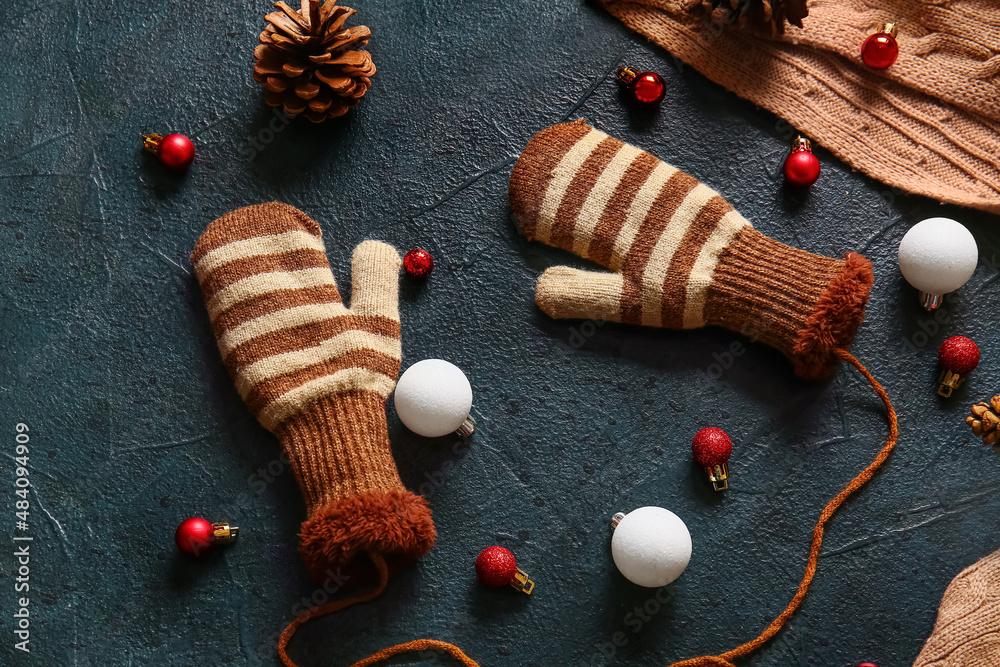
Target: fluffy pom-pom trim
838, 314
396, 524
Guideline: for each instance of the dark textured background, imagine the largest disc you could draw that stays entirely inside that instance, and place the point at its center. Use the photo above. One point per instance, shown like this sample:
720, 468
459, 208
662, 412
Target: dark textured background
108, 356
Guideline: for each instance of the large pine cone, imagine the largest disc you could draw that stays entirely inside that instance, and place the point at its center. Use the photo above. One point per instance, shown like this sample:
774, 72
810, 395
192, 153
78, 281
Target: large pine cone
985, 420
759, 15
309, 63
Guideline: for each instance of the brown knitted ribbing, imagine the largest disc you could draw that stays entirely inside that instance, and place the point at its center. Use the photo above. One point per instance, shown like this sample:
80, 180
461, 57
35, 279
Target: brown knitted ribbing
929, 124
681, 256
340, 454
965, 634
339, 447
751, 293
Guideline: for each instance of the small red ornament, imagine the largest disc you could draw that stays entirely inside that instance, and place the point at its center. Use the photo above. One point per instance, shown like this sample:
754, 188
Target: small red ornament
881, 50
712, 448
418, 263
801, 166
867, 664
174, 151
496, 567
958, 356
196, 536
645, 88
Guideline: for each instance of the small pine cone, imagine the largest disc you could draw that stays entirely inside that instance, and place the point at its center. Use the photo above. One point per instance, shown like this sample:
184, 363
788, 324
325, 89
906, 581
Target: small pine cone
985, 422
768, 16
309, 62
990, 421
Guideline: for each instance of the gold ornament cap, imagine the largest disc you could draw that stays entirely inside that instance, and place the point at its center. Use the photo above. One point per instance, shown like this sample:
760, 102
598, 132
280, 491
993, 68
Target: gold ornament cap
626, 74
151, 142
889, 28
718, 476
522, 582
948, 382
801, 144
224, 533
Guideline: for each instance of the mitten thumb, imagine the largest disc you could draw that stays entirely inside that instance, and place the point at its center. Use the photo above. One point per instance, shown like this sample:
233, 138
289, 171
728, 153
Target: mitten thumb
565, 292
375, 280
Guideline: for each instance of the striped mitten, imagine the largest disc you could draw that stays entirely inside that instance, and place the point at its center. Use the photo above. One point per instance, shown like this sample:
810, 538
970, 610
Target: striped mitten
681, 256
316, 374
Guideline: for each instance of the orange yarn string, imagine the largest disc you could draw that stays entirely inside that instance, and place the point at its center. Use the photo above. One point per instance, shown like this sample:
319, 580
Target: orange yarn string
725, 660
418, 645
337, 605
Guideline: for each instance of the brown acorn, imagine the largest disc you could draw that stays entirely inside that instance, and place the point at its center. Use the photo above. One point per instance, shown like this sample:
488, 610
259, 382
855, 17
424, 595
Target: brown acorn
767, 16
310, 64
985, 420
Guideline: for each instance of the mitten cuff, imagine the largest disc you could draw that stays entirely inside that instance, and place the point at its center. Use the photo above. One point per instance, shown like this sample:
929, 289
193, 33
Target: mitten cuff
395, 523
803, 304
339, 447
339, 450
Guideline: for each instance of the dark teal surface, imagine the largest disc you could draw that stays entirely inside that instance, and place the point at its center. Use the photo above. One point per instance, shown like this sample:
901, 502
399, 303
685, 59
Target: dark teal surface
108, 356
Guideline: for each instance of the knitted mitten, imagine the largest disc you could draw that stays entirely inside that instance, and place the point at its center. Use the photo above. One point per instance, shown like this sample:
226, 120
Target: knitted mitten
681, 256
965, 634
316, 374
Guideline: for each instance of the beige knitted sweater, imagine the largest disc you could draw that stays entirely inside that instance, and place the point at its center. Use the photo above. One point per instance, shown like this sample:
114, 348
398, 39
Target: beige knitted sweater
929, 124
967, 632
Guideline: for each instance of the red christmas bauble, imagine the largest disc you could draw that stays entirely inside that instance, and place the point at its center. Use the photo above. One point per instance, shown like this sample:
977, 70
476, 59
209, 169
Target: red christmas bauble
867, 664
496, 567
418, 263
648, 88
175, 152
801, 168
880, 50
711, 447
958, 354
195, 536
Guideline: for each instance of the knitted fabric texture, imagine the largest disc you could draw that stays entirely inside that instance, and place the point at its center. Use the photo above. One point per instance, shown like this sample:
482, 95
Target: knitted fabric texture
929, 124
316, 374
965, 634
680, 255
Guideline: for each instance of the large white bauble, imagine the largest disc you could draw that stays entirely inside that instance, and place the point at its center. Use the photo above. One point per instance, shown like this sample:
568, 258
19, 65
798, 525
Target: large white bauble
938, 255
651, 546
433, 398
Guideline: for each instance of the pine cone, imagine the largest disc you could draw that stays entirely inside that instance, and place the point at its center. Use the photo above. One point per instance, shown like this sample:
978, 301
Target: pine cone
985, 420
759, 15
308, 62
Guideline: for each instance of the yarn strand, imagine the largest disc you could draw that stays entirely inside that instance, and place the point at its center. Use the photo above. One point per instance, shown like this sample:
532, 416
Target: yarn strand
368, 596
726, 659
723, 660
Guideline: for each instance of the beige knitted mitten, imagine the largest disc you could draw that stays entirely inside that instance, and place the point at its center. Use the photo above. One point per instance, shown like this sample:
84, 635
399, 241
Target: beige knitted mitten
967, 632
680, 255
316, 374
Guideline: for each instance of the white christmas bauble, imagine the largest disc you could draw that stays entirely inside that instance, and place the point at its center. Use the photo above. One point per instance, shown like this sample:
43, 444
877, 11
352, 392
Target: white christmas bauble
651, 546
938, 255
433, 398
